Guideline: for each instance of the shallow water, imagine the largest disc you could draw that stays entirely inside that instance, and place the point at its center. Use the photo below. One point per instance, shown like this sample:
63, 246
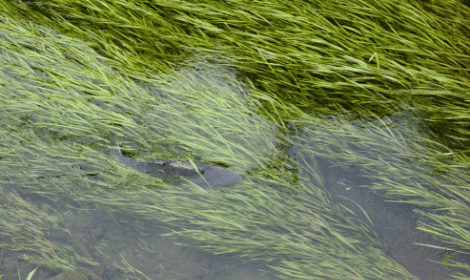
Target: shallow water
394, 223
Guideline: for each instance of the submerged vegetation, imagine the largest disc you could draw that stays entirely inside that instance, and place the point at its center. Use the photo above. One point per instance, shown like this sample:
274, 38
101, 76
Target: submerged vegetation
268, 89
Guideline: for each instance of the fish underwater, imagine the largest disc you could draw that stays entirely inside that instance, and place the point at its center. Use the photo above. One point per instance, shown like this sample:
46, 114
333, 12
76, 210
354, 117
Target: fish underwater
77, 274
206, 175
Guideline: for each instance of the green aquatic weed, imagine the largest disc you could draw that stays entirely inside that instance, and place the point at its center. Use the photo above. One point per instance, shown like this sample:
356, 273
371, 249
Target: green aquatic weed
30, 275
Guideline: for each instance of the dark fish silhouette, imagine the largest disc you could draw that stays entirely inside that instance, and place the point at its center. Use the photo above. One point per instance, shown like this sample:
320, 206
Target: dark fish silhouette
206, 176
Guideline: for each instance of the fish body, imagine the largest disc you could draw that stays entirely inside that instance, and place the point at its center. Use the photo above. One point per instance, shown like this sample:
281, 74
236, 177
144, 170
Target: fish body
206, 175
77, 274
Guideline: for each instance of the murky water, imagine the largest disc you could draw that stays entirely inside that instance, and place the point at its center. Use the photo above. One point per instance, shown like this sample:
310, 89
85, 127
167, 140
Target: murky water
394, 223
